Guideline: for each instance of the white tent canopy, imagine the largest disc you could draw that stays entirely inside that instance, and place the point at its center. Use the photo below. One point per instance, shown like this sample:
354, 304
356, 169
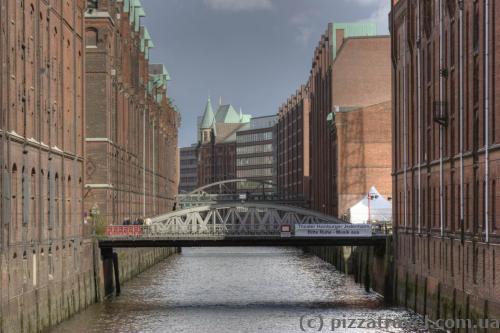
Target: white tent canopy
378, 209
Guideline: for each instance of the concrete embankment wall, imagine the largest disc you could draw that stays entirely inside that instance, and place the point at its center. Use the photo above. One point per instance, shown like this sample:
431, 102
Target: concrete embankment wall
370, 266
66, 282
378, 270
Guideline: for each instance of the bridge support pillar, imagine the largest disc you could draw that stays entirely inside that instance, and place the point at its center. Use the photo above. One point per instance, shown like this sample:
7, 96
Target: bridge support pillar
367, 269
117, 273
110, 270
107, 270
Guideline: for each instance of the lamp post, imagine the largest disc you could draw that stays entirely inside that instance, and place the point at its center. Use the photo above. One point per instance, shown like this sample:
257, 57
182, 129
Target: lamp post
371, 196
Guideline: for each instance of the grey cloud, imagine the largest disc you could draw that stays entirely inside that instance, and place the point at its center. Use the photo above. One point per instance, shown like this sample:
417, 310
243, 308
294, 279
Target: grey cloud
239, 5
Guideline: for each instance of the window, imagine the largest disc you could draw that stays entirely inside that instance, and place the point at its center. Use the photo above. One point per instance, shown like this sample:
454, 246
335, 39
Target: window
25, 188
69, 217
493, 212
50, 201
91, 38
92, 4
57, 201
254, 149
14, 189
6, 196
475, 29
32, 199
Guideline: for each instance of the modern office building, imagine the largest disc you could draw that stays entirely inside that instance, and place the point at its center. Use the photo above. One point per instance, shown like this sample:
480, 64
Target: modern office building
256, 155
446, 156
188, 169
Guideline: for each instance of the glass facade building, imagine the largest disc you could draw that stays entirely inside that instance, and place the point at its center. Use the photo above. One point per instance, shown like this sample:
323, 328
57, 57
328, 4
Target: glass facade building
255, 155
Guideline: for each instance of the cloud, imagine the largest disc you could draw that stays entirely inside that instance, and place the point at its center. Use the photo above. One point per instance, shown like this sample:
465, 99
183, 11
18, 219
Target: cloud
381, 16
239, 5
379, 13
367, 2
304, 35
303, 23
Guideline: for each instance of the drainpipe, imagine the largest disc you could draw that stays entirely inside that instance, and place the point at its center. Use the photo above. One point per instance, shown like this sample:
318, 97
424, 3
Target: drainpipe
419, 108
144, 162
154, 170
405, 130
486, 116
461, 101
441, 134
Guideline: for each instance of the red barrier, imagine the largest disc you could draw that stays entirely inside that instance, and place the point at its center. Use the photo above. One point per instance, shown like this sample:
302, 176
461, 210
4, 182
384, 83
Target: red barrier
123, 230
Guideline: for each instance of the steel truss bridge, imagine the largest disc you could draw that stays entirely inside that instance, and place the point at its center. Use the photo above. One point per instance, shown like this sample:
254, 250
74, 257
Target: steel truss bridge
231, 224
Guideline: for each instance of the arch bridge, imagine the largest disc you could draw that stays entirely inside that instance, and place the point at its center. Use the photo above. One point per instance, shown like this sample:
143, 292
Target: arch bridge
227, 191
242, 224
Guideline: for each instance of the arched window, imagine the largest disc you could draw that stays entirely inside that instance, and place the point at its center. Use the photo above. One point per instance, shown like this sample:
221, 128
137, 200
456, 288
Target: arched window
50, 200
91, 38
69, 215
32, 202
14, 194
493, 213
25, 189
57, 208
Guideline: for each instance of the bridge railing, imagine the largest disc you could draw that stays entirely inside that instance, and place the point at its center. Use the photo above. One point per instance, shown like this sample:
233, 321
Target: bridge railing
186, 200
217, 231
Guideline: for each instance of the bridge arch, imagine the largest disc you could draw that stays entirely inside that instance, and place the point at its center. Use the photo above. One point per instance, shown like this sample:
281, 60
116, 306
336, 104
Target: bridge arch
223, 184
237, 219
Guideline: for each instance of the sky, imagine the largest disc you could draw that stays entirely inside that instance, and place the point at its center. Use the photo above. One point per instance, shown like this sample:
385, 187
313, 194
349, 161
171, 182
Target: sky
252, 53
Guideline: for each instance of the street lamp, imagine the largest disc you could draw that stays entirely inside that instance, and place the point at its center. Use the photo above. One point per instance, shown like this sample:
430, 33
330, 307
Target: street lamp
371, 196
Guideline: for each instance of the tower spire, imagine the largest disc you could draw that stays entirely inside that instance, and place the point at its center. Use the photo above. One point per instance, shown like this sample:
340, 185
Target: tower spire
208, 115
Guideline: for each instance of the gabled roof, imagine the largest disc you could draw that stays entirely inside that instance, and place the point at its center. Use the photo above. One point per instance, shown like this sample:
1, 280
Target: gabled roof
208, 116
227, 114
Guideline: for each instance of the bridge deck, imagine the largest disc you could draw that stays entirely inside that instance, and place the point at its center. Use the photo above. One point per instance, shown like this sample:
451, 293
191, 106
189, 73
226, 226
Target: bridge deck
244, 241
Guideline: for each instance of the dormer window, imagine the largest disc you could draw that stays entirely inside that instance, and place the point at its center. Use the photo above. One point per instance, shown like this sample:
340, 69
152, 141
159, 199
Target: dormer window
92, 4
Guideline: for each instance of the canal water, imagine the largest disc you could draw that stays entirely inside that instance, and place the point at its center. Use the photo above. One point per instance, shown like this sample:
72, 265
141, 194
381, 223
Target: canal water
219, 290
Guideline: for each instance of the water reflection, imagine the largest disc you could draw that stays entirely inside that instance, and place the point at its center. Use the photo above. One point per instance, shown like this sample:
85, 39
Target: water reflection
236, 290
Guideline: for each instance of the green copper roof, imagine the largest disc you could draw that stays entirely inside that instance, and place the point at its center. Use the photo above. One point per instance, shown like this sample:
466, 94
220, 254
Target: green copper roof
138, 13
246, 118
227, 114
158, 78
208, 116
352, 30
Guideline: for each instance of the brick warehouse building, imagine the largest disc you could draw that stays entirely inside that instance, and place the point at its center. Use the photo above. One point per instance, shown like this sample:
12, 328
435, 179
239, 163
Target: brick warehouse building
293, 145
50, 268
361, 118
446, 157
131, 126
343, 79
217, 143
46, 256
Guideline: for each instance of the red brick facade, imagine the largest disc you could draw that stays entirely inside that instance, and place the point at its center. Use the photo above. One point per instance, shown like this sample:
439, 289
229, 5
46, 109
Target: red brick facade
323, 151
216, 162
293, 145
45, 252
73, 99
344, 156
446, 156
364, 153
131, 127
